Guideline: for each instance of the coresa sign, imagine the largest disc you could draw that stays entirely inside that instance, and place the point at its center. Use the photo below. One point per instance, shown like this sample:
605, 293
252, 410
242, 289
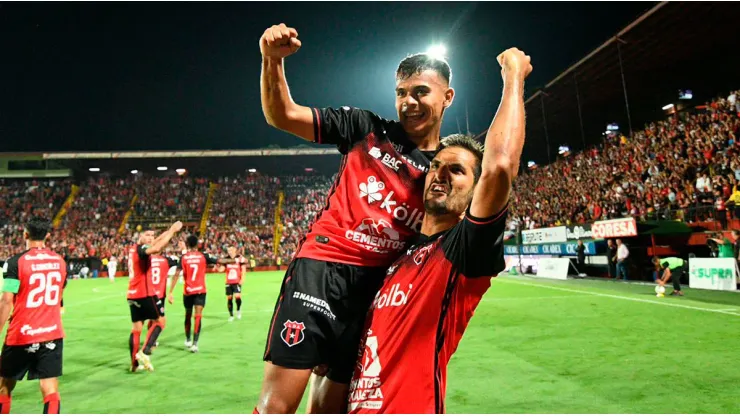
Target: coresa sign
622, 227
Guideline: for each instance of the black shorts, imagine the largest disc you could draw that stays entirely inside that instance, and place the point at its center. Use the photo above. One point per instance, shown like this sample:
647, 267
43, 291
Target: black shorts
194, 300
233, 289
143, 309
40, 361
319, 316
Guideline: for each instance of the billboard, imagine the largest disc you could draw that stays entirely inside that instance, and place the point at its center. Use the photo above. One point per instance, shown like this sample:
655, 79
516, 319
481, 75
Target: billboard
621, 227
545, 235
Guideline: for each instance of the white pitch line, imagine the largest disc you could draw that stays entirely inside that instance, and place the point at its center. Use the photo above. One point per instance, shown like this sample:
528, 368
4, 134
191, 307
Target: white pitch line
655, 302
534, 297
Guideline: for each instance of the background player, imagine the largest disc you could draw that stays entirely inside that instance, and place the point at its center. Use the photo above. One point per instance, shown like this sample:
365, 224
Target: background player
234, 279
431, 292
32, 288
373, 210
194, 264
142, 298
112, 268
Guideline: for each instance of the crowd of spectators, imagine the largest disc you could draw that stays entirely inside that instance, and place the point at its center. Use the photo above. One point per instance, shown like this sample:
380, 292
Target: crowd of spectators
686, 167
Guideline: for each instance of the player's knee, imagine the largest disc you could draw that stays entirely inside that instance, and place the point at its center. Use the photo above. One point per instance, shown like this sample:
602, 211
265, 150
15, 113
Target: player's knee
6, 386
228, 297
48, 386
274, 404
138, 326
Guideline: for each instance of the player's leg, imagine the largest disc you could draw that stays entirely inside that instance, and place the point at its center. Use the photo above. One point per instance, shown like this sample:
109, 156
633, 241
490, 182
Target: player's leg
187, 300
327, 396
296, 342
200, 303
156, 327
238, 298
137, 324
6, 390
282, 389
230, 302
47, 368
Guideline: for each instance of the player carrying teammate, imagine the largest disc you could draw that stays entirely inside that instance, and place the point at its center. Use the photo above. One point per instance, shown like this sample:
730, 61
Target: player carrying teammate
431, 292
142, 297
194, 264
234, 279
32, 288
374, 208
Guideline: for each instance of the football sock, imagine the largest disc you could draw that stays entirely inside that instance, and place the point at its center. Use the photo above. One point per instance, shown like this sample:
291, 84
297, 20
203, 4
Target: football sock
230, 306
238, 304
52, 404
152, 336
133, 346
5, 405
196, 335
255, 411
188, 317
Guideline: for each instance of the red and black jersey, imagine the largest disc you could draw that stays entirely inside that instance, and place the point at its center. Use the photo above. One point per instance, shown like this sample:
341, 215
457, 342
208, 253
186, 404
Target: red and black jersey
159, 266
375, 204
419, 316
139, 284
40, 274
234, 271
194, 264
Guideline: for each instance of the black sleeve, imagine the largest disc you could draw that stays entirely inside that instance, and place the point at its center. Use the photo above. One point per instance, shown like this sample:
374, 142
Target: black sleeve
141, 249
172, 261
342, 127
475, 246
10, 268
210, 259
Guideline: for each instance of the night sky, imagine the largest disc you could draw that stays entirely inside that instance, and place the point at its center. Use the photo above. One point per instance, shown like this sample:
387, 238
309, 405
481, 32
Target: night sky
175, 76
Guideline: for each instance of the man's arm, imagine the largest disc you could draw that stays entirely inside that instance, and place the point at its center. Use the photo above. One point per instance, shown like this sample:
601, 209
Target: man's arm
7, 299
278, 106
504, 139
161, 242
11, 285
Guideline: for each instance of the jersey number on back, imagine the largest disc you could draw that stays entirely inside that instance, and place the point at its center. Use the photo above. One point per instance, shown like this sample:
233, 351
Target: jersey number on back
46, 290
194, 268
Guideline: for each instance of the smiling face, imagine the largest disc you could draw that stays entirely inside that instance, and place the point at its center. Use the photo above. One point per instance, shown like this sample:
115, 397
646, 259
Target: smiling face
449, 185
421, 100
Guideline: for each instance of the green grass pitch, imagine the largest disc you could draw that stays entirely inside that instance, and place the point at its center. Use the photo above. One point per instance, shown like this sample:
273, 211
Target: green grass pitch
534, 346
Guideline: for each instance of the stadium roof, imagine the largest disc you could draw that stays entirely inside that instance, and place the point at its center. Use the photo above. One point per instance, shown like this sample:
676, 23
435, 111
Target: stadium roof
672, 46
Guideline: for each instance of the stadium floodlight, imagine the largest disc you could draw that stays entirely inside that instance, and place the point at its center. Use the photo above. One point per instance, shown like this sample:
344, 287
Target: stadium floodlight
667, 106
94, 169
531, 164
161, 167
134, 171
252, 170
437, 51
309, 169
180, 171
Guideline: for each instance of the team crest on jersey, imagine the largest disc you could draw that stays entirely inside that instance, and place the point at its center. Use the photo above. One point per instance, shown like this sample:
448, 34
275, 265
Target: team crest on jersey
292, 333
421, 254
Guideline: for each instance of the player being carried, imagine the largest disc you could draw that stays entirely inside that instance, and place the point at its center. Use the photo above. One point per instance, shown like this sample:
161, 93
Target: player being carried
194, 264
160, 273
373, 209
142, 296
234, 279
431, 292
32, 289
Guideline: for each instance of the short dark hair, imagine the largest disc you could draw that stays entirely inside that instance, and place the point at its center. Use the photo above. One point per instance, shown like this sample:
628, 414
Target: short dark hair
191, 241
468, 143
37, 228
420, 62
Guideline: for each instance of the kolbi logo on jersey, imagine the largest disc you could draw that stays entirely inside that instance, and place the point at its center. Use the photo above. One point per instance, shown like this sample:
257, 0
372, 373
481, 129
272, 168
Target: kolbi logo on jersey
372, 190
376, 236
292, 333
392, 297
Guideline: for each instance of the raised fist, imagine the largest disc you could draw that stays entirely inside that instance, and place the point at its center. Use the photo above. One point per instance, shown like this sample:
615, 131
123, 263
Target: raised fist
279, 41
514, 62
176, 227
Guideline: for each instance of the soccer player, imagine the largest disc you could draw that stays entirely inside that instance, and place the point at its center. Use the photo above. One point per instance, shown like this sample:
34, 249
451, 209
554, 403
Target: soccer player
430, 293
234, 279
112, 266
142, 298
194, 264
673, 268
32, 289
158, 270
374, 208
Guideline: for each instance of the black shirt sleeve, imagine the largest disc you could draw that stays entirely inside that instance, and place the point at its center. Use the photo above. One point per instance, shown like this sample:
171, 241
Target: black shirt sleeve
475, 246
210, 259
10, 269
342, 127
141, 250
172, 261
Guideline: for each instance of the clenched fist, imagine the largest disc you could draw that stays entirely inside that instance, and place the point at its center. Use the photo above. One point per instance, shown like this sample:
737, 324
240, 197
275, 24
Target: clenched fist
176, 227
514, 62
279, 41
